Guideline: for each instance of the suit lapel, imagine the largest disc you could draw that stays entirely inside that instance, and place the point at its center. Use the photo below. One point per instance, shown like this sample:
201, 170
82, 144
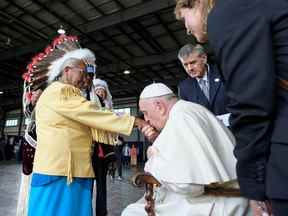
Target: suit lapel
214, 83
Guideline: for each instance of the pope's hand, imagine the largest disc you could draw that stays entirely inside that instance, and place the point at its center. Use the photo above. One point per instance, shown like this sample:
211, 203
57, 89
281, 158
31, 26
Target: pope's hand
149, 132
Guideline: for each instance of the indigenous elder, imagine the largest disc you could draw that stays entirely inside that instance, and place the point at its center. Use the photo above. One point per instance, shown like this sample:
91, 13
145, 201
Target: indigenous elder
66, 123
192, 150
249, 40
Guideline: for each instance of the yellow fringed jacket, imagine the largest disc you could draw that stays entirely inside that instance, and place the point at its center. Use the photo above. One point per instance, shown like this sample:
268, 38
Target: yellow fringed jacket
66, 124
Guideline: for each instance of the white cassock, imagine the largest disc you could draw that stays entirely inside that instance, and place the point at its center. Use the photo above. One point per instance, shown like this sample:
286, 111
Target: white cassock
193, 149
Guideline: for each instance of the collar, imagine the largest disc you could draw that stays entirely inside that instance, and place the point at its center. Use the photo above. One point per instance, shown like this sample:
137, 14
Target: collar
205, 77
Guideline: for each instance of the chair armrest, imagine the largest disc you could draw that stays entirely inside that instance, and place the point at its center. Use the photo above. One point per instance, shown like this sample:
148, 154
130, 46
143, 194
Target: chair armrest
218, 190
150, 183
143, 178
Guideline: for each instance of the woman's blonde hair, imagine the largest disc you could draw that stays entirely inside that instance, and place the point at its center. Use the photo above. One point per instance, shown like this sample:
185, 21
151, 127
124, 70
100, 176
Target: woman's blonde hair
181, 4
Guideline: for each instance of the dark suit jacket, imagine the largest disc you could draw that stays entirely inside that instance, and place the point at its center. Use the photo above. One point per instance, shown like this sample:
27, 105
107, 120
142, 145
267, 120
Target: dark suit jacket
190, 90
250, 43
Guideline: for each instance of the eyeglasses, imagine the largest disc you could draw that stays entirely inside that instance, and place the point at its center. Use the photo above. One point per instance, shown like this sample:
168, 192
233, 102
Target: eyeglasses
88, 69
81, 70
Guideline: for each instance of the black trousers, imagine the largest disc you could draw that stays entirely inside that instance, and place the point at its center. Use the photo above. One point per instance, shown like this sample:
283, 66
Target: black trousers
100, 166
279, 207
100, 171
118, 152
101, 195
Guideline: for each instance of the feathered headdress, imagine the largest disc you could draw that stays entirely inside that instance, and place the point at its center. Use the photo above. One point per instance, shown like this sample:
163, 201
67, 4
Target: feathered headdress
45, 66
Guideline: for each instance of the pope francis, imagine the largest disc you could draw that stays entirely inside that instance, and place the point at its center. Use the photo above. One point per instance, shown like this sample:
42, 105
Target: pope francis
193, 150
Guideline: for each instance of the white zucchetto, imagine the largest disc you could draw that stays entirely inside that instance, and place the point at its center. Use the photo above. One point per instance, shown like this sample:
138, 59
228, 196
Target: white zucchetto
155, 90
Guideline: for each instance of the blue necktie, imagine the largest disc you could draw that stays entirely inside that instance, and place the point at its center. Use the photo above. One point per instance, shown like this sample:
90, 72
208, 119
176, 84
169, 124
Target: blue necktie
205, 87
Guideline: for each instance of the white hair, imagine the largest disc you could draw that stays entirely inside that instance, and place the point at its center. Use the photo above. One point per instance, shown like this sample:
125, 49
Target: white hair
82, 54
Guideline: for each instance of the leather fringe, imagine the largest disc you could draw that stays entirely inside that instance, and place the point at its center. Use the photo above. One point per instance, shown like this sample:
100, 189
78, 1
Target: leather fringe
69, 91
105, 137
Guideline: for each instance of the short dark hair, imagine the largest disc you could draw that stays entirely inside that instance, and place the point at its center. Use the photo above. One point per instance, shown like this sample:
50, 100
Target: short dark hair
187, 49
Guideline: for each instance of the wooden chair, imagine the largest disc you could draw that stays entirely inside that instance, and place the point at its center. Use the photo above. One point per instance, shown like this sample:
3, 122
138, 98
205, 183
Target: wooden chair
150, 183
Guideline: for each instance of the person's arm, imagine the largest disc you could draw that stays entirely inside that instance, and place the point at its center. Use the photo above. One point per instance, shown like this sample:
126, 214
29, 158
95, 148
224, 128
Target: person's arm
77, 108
247, 61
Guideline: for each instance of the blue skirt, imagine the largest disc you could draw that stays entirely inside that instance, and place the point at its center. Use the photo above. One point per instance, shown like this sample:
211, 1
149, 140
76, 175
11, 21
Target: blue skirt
56, 198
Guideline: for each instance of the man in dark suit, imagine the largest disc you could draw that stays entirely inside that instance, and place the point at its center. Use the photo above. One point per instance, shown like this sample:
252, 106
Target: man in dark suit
254, 59
253, 56
250, 41
203, 85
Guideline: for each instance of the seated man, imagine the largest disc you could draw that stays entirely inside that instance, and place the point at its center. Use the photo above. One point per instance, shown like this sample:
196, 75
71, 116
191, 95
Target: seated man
193, 150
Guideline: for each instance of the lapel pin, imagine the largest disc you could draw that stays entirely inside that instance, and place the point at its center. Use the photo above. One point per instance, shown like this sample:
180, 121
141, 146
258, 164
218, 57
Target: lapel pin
216, 80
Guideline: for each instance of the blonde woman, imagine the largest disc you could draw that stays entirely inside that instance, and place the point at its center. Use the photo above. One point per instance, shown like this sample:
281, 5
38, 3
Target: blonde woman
250, 42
